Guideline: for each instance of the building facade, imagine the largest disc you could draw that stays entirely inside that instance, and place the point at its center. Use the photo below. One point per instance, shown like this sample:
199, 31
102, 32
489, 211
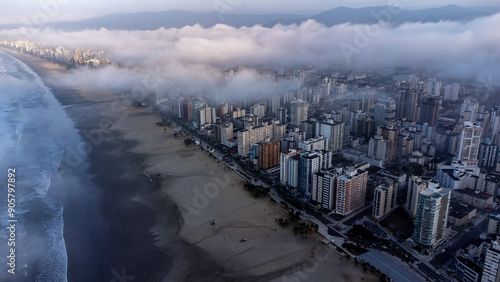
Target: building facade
351, 191
432, 217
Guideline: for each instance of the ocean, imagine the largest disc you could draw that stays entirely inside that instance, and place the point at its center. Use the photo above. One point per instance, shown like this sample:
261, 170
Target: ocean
80, 216
34, 130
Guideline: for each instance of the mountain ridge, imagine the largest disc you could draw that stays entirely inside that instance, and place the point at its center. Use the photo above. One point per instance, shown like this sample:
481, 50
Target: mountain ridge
335, 16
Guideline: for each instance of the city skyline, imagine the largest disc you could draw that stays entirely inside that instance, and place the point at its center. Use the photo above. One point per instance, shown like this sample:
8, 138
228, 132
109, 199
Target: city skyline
158, 148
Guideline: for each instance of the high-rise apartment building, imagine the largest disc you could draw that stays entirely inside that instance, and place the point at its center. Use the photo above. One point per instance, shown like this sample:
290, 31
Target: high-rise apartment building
197, 105
258, 110
469, 110
468, 148
451, 92
313, 144
298, 112
384, 199
385, 112
488, 155
282, 115
309, 164
378, 148
491, 270
415, 185
431, 217
323, 188
433, 87
334, 131
269, 154
289, 167
243, 142
351, 191
429, 108
408, 102
391, 134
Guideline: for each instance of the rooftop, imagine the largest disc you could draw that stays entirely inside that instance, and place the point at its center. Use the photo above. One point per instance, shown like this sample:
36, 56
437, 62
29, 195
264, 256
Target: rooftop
473, 193
459, 210
470, 264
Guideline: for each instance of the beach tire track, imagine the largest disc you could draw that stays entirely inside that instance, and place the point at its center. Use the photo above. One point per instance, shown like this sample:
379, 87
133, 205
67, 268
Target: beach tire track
283, 261
218, 230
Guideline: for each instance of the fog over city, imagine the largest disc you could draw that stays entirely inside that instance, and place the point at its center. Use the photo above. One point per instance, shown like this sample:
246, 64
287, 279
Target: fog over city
455, 49
231, 140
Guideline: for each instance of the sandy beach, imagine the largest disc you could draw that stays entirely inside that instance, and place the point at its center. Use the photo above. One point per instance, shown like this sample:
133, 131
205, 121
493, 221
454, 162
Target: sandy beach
171, 216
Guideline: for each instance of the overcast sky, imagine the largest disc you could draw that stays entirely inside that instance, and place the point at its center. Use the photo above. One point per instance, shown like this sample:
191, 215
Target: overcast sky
19, 11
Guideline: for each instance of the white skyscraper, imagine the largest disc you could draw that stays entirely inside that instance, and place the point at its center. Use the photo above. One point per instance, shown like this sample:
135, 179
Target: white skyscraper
433, 87
432, 217
491, 264
451, 92
470, 140
298, 112
334, 131
309, 164
289, 167
243, 142
313, 144
469, 110
258, 110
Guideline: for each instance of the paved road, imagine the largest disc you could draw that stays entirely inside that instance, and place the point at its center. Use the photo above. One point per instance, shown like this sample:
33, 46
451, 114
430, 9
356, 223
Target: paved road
430, 272
450, 252
375, 229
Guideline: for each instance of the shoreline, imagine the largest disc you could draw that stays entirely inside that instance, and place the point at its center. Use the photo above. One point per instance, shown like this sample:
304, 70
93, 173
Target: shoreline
110, 209
202, 191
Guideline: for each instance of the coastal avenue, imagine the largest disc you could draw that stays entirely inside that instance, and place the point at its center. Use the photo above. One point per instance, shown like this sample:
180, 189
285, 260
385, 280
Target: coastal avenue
449, 254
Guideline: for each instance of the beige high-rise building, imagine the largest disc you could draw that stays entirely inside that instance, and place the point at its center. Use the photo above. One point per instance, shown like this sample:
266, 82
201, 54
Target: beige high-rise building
253, 135
391, 134
269, 154
415, 185
384, 199
243, 142
378, 148
226, 132
351, 191
323, 188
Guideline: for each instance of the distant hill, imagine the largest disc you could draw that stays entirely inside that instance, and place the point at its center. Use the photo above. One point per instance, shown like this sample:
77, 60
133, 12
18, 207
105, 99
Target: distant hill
178, 19
170, 19
394, 15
